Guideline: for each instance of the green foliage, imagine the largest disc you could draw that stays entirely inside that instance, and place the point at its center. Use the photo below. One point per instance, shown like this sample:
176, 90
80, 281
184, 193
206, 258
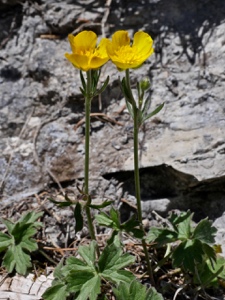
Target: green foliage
18, 243
207, 274
136, 291
83, 277
113, 221
78, 208
94, 91
191, 247
143, 102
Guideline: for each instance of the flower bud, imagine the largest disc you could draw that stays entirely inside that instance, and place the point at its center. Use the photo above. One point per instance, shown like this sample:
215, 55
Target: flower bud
145, 84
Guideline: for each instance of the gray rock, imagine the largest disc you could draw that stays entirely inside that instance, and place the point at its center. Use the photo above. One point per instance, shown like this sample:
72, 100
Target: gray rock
182, 147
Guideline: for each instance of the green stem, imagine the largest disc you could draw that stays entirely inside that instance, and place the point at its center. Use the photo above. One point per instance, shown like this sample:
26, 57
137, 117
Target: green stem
137, 177
88, 99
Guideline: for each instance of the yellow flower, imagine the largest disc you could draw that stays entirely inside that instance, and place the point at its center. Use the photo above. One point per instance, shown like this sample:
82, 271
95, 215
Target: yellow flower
126, 56
85, 55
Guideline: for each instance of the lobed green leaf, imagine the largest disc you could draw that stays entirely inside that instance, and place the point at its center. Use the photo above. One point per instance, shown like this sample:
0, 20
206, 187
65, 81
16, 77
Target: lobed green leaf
5, 241
56, 292
88, 253
112, 258
205, 232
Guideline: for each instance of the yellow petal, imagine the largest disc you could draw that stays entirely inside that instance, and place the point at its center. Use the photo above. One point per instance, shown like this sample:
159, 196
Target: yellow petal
70, 58
120, 38
82, 61
79, 61
96, 62
143, 44
83, 41
126, 65
101, 49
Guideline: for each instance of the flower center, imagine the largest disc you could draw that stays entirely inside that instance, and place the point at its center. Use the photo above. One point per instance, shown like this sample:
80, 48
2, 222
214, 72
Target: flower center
127, 54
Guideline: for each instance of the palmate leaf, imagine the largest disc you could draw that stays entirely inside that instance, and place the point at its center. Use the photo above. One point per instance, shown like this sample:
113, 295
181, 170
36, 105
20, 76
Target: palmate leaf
88, 254
112, 258
205, 232
115, 217
31, 217
118, 276
131, 226
84, 276
5, 241
75, 264
20, 242
161, 236
16, 258
188, 254
184, 227
208, 274
22, 229
135, 291
28, 244
86, 283
8, 223
56, 292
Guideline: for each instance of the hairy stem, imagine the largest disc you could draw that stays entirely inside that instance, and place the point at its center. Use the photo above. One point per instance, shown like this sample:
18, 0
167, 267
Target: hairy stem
137, 178
88, 99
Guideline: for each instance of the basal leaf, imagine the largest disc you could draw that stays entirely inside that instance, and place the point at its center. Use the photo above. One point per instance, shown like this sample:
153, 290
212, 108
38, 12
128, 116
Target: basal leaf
8, 223
118, 276
56, 292
152, 294
90, 289
209, 252
115, 217
187, 254
122, 292
5, 241
16, 258
113, 258
73, 263
135, 291
29, 244
88, 253
184, 227
131, 226
175, 218
205, 232
8, 260
19, 231
31, 217
58, 274
161, 236
75, 280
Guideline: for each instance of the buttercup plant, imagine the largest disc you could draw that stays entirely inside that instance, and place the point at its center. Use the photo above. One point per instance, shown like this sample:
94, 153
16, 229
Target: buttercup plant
78, 277
126, 56
88, 57
181, 245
